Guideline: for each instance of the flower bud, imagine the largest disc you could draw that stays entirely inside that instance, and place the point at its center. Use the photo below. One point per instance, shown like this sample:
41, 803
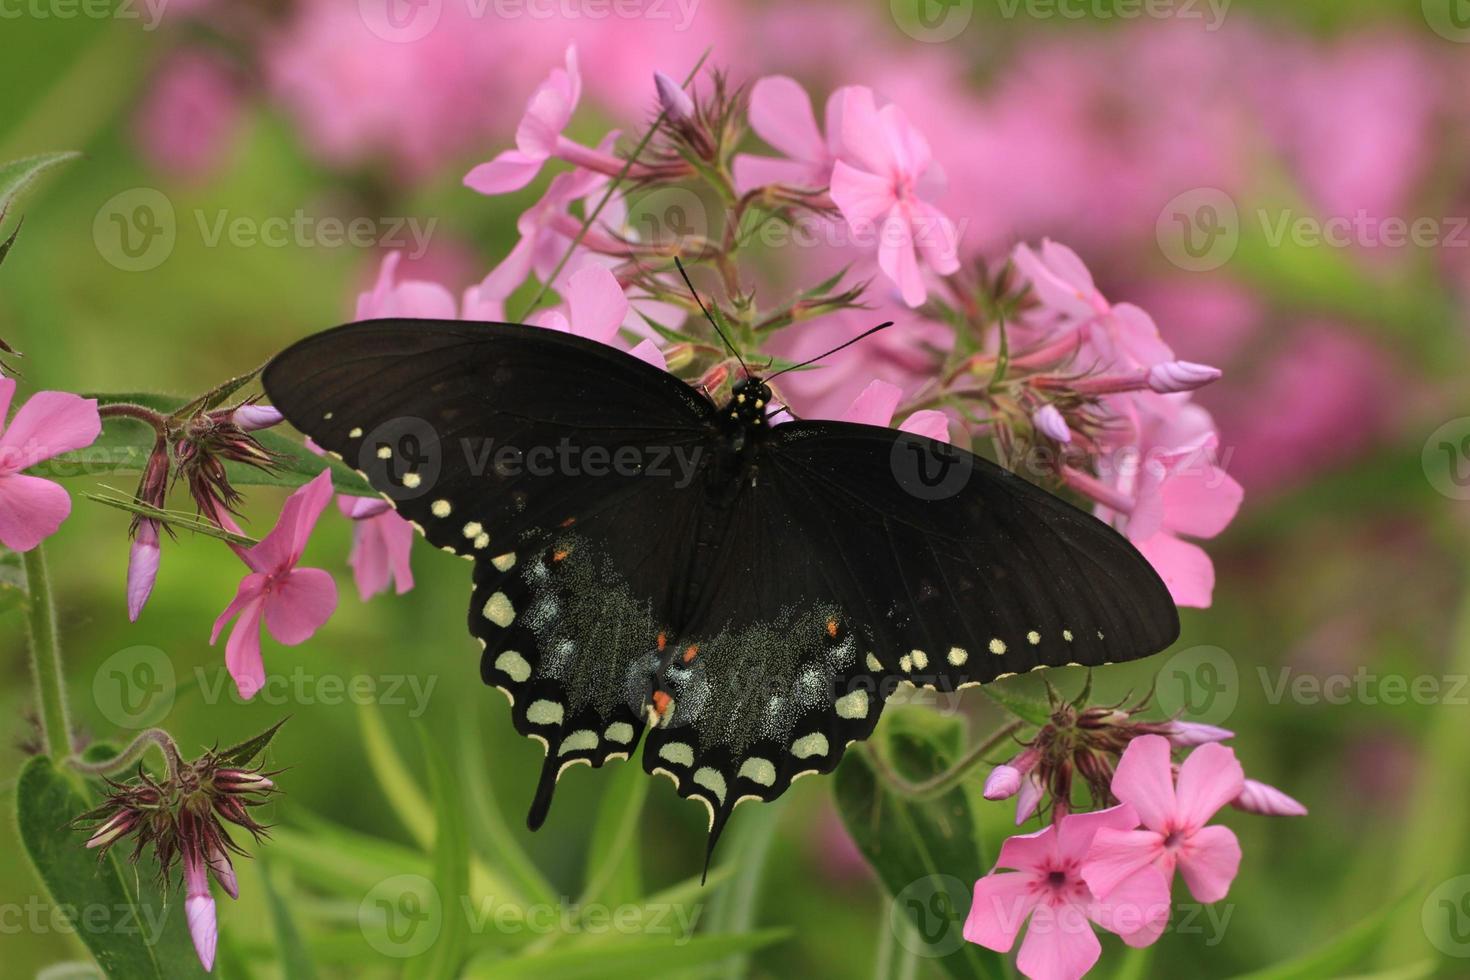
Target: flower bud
1257, 797
1028, 798
1188, 734
199, 909
1171, 377
250, 417
1051, 423
1003, 782
143, 561
678, 107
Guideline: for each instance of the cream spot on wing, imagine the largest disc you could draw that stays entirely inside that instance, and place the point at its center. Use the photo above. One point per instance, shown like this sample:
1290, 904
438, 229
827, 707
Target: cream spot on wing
1099, 634
758, 770
482, 540
513, 665
545, 713
810, 745
582, 740
412, 480
620, 732
355, 433
1033, 638
997, 646
1067, 635
503, 562
499, 610
921, 659
679, 753
712, 780
906, 663
328, 415
1039, 667
958, 656
385, 452
440, 508
854, 705
1001, 677
473, 529
873, 664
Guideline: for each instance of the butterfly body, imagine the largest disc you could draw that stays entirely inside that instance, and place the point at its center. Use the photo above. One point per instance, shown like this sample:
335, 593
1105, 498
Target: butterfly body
742, 597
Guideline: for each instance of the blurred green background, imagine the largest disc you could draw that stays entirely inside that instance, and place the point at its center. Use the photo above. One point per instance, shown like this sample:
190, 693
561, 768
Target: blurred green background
1347, 573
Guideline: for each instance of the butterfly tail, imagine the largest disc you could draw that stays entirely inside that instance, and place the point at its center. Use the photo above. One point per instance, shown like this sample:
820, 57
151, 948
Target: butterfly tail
545, 789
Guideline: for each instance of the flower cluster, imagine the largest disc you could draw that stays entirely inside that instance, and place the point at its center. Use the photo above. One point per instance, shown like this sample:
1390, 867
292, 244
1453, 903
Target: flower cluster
182, 820
1114, 866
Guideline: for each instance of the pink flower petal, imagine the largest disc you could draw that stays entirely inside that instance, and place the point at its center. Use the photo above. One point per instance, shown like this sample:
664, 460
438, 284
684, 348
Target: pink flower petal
1185, 568
1074, 836
31, 509
596, 303
1144, 779
242, 650
1056, 291
648, 352
1028, 852
1002, 902
1059, 944
875, 404
865, 141
282, 547
381, 546
48, 424
928, 422
251, 588
1116, 855
896, 257
1209, 861
863, 198
935, 237
781, 114
1201, 501
299, 603
203, 928
752, 171
1137, 908
1208, 779
509, 171
7, 392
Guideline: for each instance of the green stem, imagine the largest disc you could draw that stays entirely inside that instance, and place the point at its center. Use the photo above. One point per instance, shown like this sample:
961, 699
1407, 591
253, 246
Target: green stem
46, 655
941, 783
125, 758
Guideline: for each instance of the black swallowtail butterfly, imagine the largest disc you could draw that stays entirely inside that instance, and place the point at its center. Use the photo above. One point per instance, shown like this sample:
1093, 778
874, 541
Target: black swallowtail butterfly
650, 563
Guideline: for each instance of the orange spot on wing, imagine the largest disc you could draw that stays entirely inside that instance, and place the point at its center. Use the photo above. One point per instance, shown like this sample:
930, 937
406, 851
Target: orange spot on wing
560, 554
832, 628
691, 653
661, 703
663, 641
569, 522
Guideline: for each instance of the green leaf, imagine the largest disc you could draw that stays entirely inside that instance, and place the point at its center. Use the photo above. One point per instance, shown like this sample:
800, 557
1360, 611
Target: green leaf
733, 907
17, 175
247, 751
5, 247
125, 445
1027, 709
291, 956
130, 936
1334, 959
397, 783
634, 959
444, 957
614, 860
926, 852
489, 831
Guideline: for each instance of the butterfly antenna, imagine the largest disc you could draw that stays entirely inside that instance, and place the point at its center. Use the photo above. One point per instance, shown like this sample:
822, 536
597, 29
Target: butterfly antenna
705, 310
865, 334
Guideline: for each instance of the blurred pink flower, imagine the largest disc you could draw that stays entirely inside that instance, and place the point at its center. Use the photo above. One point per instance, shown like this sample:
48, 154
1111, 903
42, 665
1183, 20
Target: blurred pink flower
539, 135
781, 114
596, 308
878, 187
382, 542
879, 400
1174, 819
48, 424
188, 119
422, 299
294, 602
1048, 887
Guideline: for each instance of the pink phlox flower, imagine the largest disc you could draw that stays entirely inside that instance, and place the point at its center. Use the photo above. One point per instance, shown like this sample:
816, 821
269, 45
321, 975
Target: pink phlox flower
877, 402
881, 183
781, 114
381, 544
1047, 888
413, 298
1175, 830
48, 424
293, 602
597, 308
539, 135
1119, 335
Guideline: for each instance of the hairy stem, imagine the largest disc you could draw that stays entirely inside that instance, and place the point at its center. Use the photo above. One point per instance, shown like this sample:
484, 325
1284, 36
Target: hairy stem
946, 780
129, 755
46, 655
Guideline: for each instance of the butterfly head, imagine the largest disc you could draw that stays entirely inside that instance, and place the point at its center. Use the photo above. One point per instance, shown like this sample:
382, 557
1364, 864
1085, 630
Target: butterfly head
750, 400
